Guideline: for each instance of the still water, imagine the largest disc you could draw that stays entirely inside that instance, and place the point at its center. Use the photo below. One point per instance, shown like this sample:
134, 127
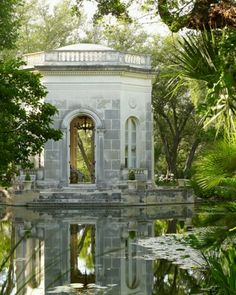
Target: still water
112, 251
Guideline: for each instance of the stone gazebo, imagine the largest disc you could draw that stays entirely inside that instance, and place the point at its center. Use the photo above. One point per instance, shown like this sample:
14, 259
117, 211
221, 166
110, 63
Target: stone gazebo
104, 101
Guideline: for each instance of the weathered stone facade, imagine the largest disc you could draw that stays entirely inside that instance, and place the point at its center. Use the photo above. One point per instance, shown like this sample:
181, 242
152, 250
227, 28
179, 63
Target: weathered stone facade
109, 87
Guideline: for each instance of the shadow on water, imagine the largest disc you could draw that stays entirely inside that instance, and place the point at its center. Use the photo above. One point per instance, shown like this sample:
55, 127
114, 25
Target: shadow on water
97, 251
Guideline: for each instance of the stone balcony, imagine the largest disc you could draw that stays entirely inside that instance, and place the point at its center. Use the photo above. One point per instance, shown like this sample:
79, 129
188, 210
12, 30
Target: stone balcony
60, 57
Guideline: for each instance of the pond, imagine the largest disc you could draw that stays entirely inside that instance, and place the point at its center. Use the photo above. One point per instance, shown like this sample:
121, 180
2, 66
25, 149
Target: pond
112, 251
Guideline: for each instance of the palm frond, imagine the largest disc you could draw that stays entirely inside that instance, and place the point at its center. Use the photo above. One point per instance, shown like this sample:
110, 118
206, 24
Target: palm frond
222, 272
217, 166
203, 57
197, 58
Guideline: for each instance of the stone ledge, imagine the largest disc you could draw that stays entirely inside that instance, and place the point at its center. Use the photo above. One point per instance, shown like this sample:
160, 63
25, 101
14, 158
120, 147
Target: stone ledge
103, 197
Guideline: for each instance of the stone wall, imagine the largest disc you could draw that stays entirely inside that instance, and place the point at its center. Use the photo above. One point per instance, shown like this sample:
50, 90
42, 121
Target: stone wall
109, 99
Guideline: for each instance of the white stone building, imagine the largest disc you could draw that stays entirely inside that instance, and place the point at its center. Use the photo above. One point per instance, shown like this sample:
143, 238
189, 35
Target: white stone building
104, 101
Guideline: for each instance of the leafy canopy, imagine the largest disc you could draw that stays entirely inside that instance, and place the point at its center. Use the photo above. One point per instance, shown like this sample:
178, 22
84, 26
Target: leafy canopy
43, 29
209, 59
9, 22
25, 120
217, 166
198, 14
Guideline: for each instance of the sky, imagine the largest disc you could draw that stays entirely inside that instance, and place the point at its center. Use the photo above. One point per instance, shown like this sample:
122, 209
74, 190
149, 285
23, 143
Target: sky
150, 26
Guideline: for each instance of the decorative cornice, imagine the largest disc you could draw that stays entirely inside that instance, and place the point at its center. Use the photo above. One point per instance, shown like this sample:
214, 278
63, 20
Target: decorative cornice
134, 74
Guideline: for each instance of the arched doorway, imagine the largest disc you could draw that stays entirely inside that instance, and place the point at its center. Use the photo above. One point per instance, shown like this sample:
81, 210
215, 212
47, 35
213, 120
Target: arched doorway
82, 150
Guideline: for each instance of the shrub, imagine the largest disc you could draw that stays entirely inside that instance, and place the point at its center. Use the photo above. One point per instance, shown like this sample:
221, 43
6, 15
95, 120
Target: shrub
27, 176
131, 175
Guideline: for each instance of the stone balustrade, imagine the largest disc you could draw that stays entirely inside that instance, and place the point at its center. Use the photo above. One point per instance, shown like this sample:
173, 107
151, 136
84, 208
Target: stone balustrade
69, 57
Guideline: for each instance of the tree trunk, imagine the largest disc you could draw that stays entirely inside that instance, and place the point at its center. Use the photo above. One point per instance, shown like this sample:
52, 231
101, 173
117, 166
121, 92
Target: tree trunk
170, 153
73, 251
190, 158
86, 159
172, 226
174, 156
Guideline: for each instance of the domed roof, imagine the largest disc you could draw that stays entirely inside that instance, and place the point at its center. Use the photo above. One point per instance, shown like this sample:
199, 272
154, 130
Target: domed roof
85, 47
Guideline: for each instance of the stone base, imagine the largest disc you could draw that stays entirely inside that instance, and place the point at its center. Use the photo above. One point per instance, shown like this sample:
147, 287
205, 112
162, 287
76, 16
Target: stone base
76, 196
45, 184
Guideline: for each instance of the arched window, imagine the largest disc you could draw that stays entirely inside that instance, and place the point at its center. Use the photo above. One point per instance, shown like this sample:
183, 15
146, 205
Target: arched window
131, 143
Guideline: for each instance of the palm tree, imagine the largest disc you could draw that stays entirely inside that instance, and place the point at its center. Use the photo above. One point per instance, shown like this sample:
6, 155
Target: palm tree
209, 58
217, 166
216, 238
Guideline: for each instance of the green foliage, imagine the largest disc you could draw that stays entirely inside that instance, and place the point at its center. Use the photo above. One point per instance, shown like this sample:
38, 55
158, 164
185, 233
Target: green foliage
42, 29
216, 225
126, 37
217, 166
27, 176
5, 242
85, 253
131, 175
209, 58
88, 144
178, 129
197, 58
132, 234
227, 193
216, 239
122, 36
175, 14
160, 227
169, 279
9, 22
25, 120
222, 272
115, 8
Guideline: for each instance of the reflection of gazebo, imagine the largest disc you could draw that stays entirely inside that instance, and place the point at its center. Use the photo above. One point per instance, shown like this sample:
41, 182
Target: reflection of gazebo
104, 101
78, 235
49, 242
48, 251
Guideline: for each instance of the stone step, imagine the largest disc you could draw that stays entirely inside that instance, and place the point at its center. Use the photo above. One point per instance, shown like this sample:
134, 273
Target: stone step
77, 197
86, 194
73, 203
77, 190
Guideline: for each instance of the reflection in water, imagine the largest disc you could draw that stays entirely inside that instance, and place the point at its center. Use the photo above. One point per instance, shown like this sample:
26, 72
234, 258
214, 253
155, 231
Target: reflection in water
171, 226
95, 252
82, 253
29, 262
6, 257
169, 279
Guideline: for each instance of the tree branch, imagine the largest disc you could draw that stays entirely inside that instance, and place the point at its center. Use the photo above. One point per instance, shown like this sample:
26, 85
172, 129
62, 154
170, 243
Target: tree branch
175, 23
83, 153
197, 18
184, 122
166, 118
190, 158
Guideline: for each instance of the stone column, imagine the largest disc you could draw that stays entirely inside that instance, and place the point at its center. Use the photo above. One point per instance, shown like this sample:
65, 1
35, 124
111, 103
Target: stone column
64, 163
99, 156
